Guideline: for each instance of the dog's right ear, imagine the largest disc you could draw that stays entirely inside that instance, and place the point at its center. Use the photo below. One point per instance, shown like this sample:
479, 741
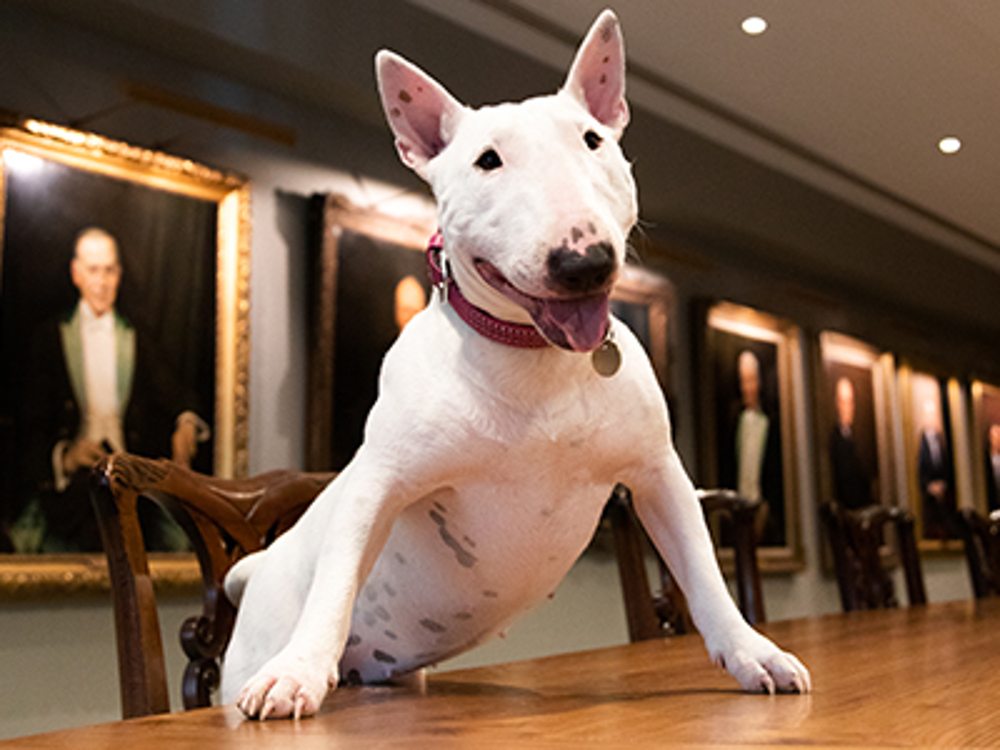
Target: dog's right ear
422, 114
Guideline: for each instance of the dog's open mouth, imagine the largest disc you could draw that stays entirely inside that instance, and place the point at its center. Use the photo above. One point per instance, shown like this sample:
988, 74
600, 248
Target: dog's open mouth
577, 323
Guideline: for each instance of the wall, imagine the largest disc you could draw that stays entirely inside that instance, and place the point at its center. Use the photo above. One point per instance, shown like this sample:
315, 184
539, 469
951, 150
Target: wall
58, 658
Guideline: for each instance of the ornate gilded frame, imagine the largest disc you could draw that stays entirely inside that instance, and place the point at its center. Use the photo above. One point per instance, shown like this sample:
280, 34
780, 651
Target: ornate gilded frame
336, 224
644, 300
759, 331
985, 414
44, 576
917, 384
842, 356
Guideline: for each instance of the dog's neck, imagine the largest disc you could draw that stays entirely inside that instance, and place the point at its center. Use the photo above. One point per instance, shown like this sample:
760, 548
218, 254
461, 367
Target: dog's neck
509, 333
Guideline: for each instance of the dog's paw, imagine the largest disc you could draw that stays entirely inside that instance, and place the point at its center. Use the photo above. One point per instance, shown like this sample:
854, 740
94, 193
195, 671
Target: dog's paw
285, 688
761, 667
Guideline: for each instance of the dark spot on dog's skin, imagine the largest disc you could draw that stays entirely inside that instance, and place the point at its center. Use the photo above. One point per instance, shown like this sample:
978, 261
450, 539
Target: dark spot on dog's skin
432, 625
464, 616
369, 618
382, 613
490, 594
606, 60
353, 678
353, 640
468, 541
396, 112
370, 594
576, 235
606, 34
389, 589
383, 657
400, 559
404, 96
440, 507
603, 79
390, 635
591, 227
465, 558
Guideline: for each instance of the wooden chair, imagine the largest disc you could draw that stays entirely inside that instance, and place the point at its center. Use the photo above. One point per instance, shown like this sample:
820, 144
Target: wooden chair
856, 538
655, 615
981, 537
225, 520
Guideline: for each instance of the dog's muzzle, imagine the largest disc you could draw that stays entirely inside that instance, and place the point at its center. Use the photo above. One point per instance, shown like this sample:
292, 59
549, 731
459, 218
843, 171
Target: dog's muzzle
574, 321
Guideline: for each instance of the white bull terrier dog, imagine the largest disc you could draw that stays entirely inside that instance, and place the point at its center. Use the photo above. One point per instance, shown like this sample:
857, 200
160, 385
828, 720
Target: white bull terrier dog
507, 412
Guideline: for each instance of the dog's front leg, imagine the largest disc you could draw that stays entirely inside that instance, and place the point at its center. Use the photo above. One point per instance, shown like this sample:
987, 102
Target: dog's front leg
334, 551
668, 507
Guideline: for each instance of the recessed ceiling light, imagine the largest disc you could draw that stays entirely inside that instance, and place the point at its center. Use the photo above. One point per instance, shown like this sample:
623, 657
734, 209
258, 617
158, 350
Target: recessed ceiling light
754, 25
949, 145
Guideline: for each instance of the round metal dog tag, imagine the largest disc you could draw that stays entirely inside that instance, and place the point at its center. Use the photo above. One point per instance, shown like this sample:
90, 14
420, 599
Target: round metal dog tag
606, 359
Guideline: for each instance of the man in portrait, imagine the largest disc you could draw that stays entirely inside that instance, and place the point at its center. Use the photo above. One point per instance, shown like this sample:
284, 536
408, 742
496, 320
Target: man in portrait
851, 480
936, 476
754, 467
96, 385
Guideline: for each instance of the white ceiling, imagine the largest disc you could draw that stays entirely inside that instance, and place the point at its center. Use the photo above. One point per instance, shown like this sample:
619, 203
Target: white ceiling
851, 96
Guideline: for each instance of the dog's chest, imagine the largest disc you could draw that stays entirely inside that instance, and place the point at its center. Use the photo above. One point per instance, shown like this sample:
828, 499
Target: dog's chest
461, 564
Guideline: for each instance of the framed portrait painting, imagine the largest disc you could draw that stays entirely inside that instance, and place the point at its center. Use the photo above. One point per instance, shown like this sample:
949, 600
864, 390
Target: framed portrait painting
986, 444
643, 300
932, 441
750, 404
369, 278
123, 324
854, 422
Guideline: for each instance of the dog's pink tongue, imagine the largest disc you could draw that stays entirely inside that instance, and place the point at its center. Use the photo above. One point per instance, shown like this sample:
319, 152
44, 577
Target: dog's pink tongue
579, 324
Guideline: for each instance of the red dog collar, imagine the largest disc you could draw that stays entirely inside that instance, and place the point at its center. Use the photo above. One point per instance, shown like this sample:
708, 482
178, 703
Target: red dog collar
501, 331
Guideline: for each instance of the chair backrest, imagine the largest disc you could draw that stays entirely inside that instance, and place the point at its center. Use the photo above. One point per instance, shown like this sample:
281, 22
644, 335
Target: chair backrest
652, 615
225, 520
982, 551
856, 540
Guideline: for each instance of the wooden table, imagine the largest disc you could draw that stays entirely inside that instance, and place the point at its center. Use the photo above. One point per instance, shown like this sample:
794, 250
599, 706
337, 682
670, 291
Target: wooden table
926, 676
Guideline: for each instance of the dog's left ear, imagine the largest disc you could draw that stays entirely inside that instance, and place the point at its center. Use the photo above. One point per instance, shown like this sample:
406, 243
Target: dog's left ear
597, 77
422, 114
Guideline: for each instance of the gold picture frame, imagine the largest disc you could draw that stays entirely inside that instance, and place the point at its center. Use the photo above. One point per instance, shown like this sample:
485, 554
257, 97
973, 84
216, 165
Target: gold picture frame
774, 345
55, 181
985, 437
361, 255
870, 373
933, 402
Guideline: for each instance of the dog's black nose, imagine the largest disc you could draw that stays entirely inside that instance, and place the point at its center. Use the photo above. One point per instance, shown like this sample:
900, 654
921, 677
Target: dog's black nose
579, 273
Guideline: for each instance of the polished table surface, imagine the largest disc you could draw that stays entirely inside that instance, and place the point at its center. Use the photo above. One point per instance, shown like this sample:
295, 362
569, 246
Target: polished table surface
927, 676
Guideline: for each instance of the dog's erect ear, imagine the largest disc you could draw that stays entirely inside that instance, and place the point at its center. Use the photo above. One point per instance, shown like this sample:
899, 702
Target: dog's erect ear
597, 77
422, 114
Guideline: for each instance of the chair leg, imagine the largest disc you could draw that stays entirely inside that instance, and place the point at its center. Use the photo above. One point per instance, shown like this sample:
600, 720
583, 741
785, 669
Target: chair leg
141, 668
643, 622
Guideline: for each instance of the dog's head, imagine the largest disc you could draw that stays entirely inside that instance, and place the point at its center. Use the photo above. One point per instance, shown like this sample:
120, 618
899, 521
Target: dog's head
535, 199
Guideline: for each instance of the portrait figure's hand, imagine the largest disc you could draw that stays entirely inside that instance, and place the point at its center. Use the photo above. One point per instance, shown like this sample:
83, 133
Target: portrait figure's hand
82, 454
184, 443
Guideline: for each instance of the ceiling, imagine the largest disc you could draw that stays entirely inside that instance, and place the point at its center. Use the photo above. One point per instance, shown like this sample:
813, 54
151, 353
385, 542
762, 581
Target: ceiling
796, 170
851, 97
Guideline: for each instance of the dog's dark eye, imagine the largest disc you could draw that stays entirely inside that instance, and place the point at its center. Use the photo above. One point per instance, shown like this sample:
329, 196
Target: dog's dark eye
593, 140
489, 160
